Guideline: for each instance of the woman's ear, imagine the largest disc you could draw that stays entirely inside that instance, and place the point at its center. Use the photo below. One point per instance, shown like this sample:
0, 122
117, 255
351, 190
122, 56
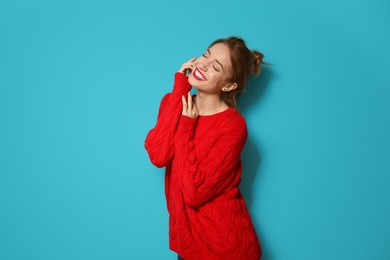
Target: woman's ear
229, 87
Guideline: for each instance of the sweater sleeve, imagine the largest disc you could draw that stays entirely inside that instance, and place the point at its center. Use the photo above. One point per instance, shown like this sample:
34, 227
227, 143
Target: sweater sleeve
202, 181
159, 140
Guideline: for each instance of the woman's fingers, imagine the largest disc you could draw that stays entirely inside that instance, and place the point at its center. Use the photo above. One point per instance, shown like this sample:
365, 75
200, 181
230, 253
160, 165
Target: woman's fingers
187, 65
183, 100
189, 108
192, 59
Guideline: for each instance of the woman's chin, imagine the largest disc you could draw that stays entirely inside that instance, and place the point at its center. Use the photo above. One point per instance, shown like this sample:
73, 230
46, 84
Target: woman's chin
193, 82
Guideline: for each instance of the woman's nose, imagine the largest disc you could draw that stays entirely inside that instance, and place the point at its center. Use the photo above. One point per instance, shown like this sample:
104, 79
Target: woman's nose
202, 65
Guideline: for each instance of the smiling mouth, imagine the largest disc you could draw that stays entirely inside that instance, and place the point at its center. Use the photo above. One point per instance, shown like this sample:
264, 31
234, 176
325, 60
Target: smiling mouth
198, 75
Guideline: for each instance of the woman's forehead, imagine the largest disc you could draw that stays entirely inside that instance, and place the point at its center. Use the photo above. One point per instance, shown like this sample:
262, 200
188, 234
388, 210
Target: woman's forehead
220, 51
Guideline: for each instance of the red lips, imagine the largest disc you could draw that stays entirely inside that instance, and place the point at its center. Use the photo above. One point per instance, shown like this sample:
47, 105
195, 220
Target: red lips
198, 75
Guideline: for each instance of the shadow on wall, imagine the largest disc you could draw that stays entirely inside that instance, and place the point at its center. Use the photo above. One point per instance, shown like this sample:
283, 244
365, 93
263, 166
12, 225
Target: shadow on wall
251, 158
251, 155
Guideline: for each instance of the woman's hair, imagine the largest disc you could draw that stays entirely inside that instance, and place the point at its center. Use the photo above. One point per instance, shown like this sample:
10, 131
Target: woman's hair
244, 63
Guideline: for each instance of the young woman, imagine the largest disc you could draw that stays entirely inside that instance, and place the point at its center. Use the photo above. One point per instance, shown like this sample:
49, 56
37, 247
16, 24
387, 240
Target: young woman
199, 139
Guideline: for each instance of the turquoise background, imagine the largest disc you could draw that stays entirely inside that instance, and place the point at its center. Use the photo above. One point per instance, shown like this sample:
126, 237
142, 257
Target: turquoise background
80, 85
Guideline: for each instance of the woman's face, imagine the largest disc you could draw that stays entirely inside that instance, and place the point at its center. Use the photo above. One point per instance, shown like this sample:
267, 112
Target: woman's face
212, 70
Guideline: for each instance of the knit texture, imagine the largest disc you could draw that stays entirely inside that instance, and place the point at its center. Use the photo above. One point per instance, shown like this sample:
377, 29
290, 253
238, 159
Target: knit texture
208, 218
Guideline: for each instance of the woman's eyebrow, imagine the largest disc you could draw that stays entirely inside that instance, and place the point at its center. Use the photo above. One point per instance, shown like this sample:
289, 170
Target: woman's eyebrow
208, 50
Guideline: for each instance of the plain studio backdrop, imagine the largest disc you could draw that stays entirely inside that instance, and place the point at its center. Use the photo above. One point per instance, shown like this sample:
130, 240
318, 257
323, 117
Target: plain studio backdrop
80, 87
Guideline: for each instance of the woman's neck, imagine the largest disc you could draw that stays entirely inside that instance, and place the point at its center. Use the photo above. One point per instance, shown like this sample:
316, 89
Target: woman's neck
207, 104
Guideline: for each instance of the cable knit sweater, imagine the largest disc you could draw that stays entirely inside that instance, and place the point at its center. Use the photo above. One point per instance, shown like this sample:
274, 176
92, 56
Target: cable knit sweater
208, 218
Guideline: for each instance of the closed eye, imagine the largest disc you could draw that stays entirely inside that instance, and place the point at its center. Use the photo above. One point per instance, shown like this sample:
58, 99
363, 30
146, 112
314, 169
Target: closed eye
214, 67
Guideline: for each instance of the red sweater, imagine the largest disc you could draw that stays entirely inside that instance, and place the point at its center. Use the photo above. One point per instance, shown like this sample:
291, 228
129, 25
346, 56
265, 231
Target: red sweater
208, 218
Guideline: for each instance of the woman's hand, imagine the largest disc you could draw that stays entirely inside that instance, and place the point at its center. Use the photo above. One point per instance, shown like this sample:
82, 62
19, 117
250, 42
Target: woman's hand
188, 66
189, 108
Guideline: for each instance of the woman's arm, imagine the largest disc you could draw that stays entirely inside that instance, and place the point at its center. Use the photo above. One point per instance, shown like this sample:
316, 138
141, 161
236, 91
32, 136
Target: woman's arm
159, 141
202, 181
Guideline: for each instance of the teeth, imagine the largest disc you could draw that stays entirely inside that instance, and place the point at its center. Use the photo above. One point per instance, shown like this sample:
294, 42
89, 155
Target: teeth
199, 75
